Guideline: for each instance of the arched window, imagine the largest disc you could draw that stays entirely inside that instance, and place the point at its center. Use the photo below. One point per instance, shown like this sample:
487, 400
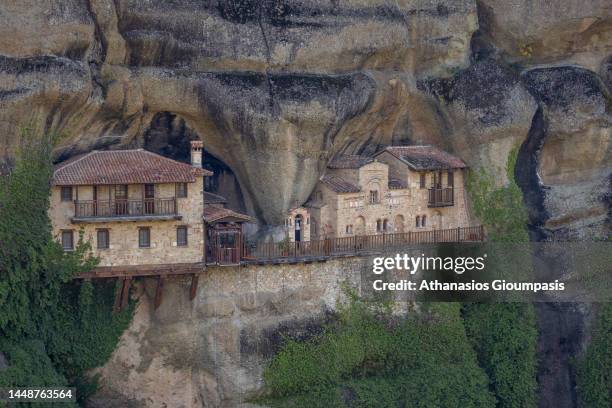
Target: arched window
424, 221
385, 225
374, 196
378, 225
418, 221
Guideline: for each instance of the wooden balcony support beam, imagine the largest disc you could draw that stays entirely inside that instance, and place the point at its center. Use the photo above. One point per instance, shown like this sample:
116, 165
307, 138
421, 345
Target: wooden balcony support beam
194, 286
122, 293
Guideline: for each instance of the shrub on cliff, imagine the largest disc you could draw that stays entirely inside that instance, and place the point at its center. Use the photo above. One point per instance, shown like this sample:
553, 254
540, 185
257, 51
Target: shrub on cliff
504, 335
594, 371
371, 359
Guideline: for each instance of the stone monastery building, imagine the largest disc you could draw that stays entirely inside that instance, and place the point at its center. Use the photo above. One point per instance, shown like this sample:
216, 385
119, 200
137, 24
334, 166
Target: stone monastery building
399, 189
138, 209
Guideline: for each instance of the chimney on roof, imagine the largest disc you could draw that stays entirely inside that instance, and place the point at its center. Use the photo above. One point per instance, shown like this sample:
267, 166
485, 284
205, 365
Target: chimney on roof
196, 153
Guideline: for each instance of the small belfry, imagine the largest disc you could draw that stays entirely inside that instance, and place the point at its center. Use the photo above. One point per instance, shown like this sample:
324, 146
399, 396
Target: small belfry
399, 189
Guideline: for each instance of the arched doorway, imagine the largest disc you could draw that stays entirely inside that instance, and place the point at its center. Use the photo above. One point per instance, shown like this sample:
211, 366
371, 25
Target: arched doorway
360, 226
399, 223
298, 228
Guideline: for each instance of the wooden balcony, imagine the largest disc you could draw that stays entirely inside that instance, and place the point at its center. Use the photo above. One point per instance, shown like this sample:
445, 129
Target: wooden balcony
125, 210
441, 197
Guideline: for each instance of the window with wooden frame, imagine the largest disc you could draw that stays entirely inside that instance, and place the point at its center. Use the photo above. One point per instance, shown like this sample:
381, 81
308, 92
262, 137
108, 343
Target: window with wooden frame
66, 193
121, 192
103, 238
181, 190
144, 237
181, 236
68, 240
374, 197
422, 180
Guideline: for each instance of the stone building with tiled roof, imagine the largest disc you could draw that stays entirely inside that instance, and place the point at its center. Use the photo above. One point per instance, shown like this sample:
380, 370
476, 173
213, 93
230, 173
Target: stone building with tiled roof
137, 208
399, 189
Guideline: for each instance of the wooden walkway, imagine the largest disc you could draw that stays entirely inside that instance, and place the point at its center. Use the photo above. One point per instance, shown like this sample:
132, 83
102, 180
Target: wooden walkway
363, 245
280, 253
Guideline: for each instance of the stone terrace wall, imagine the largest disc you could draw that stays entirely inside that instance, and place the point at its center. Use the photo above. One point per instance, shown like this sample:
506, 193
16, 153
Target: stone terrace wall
211, 352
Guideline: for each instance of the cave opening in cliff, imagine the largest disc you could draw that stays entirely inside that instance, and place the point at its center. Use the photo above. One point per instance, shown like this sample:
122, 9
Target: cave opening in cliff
170, 135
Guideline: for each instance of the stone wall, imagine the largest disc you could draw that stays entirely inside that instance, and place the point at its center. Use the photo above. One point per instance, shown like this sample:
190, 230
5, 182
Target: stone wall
211, 352
124, 249
399, 207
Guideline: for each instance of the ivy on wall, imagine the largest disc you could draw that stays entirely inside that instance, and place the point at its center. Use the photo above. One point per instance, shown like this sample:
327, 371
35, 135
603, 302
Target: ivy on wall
52, 328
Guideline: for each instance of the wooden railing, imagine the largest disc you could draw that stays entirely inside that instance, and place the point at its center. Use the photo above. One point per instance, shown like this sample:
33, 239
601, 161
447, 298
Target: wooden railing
440, 197
357, 245
227, 256
125, 208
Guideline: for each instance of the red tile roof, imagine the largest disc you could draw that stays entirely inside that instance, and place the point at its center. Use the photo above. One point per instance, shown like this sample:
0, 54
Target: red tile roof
422, 158
339, 185
213, 214
349, 162
395, 184
123, 167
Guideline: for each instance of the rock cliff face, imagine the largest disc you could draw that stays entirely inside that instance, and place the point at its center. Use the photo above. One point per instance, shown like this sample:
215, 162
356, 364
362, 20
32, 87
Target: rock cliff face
275, 88
211, 352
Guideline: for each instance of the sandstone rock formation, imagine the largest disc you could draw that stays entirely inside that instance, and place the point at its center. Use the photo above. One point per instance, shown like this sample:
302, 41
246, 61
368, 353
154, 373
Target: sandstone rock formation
211, 352
275, 88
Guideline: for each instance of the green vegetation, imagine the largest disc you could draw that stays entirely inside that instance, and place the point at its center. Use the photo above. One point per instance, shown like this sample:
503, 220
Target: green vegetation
52, 329
369, 358
504, 335
445, 355
500, 209
594, 371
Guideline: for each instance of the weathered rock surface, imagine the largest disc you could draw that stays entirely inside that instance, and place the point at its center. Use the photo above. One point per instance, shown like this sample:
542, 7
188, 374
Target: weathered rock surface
211, 352
545, 32
275, 89
575, 153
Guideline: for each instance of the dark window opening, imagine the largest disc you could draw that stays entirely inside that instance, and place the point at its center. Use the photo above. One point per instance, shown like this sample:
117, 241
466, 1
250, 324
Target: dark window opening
418, 221
66, 193
149, 190
181, 236
103, 239
373, 197
451, 179
422, 181
144, 237
181, 190
121, 192
68, 240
